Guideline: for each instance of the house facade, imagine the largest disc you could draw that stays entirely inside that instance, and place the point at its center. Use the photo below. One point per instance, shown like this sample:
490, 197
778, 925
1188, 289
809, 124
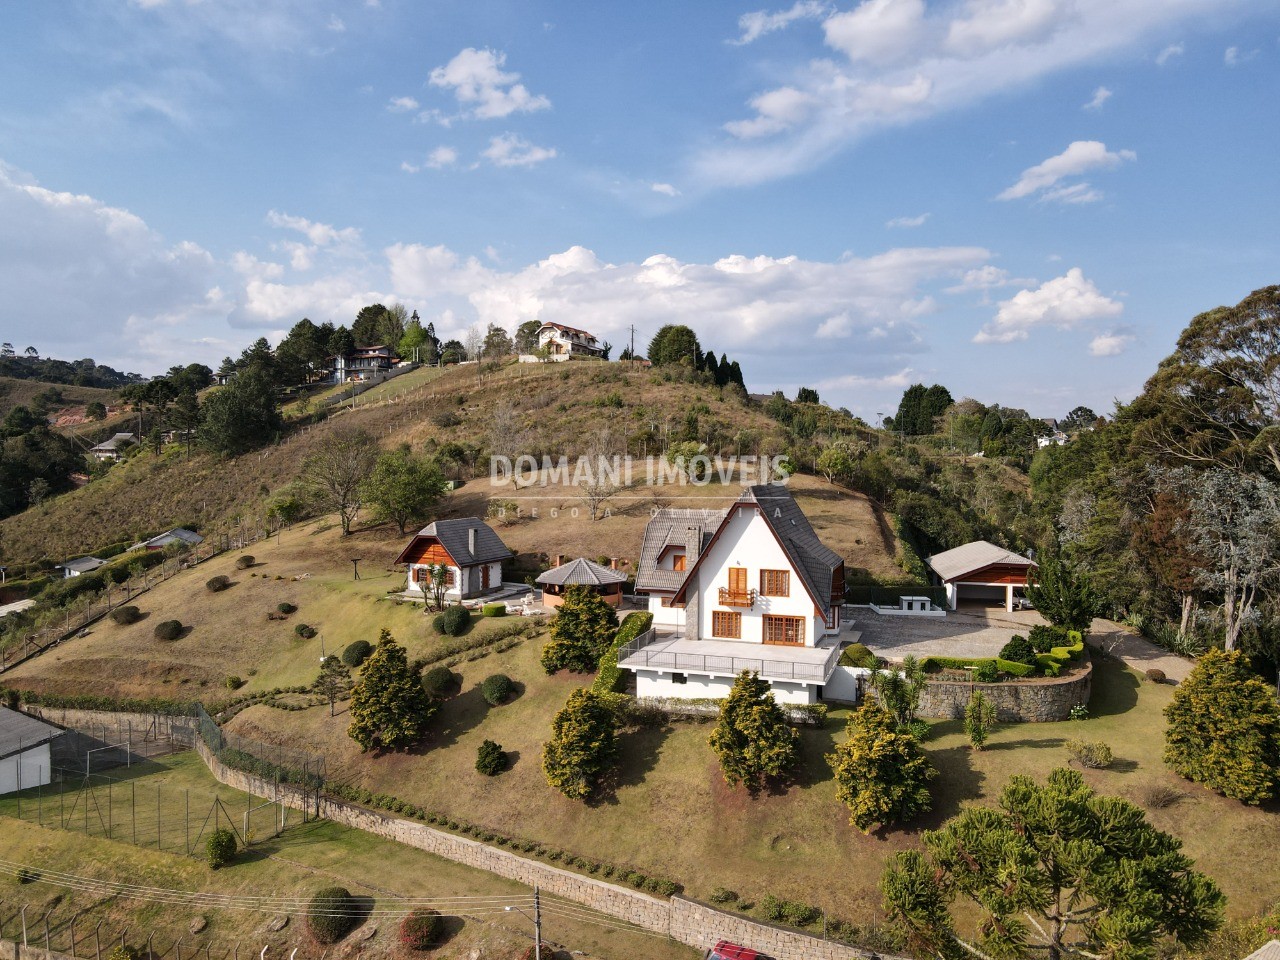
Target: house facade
563, 342
469, 550
981, 572
363, 363
113, 449
748, 588
79, 567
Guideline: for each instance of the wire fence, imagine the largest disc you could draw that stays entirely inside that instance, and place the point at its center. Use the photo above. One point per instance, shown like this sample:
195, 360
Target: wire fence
283, 765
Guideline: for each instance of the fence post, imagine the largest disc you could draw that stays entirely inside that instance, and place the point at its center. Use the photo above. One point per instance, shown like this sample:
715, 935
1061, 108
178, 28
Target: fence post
24, 925
97, 941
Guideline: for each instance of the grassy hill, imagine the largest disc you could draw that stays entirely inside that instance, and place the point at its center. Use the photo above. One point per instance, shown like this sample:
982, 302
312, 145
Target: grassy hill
20, 393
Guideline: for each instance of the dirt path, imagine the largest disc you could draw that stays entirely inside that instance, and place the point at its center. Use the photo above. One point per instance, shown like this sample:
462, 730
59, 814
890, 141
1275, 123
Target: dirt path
1137, 652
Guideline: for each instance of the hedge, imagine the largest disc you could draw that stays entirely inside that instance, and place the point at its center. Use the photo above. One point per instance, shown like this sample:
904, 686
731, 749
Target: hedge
493, 610
91, 701
610, 677
933, 664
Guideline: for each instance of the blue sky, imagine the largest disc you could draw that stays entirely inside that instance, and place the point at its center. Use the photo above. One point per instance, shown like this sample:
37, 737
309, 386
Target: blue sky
1024, 200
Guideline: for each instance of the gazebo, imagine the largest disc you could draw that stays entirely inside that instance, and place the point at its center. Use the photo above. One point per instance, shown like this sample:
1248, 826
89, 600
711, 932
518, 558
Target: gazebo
606, 581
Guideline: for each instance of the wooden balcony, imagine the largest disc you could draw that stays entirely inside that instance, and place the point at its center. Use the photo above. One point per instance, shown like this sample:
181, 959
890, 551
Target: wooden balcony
737, 598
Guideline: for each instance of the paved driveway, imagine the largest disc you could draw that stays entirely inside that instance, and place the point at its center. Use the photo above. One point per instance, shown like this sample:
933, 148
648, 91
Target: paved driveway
967, 633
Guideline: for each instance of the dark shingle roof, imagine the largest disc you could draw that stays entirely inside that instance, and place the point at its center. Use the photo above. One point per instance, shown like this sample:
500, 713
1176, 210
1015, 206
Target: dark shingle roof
20, 732
82, 565
673, 527
581, 571
814, 560
454, 536
176, 535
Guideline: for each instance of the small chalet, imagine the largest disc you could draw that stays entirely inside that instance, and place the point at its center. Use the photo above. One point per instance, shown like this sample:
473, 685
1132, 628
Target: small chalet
469, 550
25, 755
748, 588
605, 581
74, 568
563, 343
113, 449
363, 363
980, 572
179, 535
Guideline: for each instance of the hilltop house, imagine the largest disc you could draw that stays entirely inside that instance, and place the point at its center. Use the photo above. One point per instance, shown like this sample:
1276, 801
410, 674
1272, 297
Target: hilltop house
606, 581
113, 449
980, 572
748, 588
562, 342
362, 363
468, 548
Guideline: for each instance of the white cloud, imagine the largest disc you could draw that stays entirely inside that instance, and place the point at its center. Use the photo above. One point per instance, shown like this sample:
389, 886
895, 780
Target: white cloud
1110, 344
1100, 96
478, 81
986, 278
1234, 56
442, 157
1064, 302
776, 110
834, 328
1169, 52
512, 150
321, 234
402, 104
876, 31
907, 222
336, 25
666, 189
991, 24
755, 25
1079, 157
1083, 192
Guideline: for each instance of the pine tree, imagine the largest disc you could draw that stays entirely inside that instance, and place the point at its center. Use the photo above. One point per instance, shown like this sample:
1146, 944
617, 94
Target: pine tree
752, 738
582, 747
882, 775
334, 681
581, 632
1061, 595
1224, 729
389, 707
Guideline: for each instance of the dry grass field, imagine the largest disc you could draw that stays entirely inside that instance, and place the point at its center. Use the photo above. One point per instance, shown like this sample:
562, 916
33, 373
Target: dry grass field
18, 393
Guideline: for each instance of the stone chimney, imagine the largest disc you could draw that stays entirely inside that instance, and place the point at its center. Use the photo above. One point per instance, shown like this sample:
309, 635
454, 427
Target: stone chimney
559, 560
692, 545
471, 540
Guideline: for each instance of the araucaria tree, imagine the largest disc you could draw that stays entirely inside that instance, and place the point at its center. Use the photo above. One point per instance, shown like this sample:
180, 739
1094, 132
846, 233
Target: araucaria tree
338, 471
582, 747
1224, 729
752, 739
1061, 595
580, 633
1055, 872
389, 707
882, 775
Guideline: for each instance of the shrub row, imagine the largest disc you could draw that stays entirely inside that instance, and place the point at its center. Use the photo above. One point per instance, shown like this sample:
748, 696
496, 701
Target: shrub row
90, 701
610, 677
256, 766
934, 664
659, 886
452, 648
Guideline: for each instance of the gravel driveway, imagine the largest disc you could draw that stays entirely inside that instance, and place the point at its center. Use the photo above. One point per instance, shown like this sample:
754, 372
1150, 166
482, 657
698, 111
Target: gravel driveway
968, 633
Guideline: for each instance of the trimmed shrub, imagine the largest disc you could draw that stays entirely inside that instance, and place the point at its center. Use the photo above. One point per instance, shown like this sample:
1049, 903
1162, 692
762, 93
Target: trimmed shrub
217, 584
331, 914
987, 672
722, 895
420, 929
440, 681
454, 622
1094, 754
357, 653
934, 664
233, 682
497, 689
305, 631
611, 678
286, 608
220, 848
245, 562
858, 655
168, 630
1156, 675
126, 615
491, 759
493, 610
1018, 650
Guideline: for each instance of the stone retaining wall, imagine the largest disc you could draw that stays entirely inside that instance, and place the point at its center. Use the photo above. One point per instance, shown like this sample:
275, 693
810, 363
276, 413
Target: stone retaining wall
11, 950
1039, 701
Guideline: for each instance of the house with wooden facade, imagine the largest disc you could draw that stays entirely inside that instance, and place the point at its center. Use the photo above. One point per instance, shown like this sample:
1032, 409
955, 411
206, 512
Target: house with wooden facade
748, 588
564, 342
981, 572
471, 553
362, 363
605, 581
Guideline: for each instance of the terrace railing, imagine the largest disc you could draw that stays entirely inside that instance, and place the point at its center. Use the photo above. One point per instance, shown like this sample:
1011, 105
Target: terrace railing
637, 653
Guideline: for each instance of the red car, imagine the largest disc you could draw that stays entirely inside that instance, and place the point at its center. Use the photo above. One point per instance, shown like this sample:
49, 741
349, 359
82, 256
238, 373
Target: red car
724, 950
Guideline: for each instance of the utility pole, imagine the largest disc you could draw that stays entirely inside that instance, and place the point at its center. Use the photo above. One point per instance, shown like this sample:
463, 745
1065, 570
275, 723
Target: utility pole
537, 924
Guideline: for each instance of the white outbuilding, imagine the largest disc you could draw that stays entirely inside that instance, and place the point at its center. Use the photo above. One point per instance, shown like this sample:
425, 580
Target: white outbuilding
25, 755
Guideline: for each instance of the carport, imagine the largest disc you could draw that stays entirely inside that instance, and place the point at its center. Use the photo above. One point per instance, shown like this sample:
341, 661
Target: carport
982, 572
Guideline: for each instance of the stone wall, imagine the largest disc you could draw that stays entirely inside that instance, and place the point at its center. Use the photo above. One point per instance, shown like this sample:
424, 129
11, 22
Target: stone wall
1033, 701
10, 950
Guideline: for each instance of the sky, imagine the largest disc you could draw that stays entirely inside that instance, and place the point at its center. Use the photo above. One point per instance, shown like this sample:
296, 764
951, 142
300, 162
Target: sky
1023, 200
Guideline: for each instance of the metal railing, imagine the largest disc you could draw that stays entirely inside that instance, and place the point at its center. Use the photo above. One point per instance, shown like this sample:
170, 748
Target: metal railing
637, 654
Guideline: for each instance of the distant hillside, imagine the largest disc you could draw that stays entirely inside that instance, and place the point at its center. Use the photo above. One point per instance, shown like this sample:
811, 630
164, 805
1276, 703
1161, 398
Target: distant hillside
72, 399
79, 373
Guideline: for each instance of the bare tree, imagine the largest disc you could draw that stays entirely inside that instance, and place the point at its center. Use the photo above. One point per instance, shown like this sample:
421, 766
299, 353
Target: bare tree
338, 471
473, 340
600, 483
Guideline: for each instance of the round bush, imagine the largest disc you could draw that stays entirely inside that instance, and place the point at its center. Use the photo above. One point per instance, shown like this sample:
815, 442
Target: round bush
453, 622
857, 655
357, 653
126, 615
245, 562
439, 681
497, 689
331, 914
168, 630
218, 584
494, 610
220, 847
286, 608
1156, 675
420, 929
305, 631
233, 682
491, 759
1018, 650
986, 672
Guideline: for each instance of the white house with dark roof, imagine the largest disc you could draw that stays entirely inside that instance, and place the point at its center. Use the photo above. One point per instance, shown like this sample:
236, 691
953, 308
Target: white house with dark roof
179, 535
25, 755
748, 588
564, 342
605, 581
981, 572
82, 565
468, 548
113, 449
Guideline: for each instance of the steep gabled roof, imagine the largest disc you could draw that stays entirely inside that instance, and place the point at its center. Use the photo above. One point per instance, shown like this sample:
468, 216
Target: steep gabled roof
20, 732
960, 561
669, 527
581, 571
813, 559
455, 537
566, 328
